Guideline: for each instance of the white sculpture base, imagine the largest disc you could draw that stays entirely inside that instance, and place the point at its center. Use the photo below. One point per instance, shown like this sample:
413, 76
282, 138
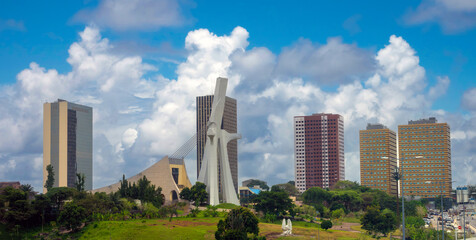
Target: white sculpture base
287, 228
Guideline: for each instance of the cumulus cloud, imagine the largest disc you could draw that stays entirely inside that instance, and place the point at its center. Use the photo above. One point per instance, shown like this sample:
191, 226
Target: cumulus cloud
99, 79
139, 120
332, 63
453, 16
122, 15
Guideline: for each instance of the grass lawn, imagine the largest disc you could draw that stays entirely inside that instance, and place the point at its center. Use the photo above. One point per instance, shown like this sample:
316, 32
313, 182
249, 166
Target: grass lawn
192, 228
197, 228
178, 228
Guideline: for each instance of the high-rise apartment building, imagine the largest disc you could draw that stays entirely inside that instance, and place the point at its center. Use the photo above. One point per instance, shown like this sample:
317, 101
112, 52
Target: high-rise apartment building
378, 158
318, 150
68, 143
425, 158
204, 109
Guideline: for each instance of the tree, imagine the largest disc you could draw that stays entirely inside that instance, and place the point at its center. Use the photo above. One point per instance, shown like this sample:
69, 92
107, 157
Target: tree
80, 182
124, 187
50, 180
326, 224
276, 203
378, 222
16, 209
417, 222
346, 185
42, 205
238, 223
186, 194
255, 182
306, 210
338, 213
72, 216
290, 189
315, 196
27, 188
143, 191
199, 193
59, 194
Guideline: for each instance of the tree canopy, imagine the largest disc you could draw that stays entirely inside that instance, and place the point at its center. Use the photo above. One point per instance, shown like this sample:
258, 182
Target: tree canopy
276, 203
50, 180
198, 193
238, 223
143, 191
379, 222
261, 184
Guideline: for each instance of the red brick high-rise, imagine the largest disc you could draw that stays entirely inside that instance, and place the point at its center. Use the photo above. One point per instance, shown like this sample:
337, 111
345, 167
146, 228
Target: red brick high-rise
318, 150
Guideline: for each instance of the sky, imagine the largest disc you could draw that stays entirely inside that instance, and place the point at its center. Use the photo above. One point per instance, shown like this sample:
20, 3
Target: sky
141, 63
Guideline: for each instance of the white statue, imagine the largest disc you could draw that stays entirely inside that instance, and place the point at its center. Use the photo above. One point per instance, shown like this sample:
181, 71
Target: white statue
287, 228
216, 147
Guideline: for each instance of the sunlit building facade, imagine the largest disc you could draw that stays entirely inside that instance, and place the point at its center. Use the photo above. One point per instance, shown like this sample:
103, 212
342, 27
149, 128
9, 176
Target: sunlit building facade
68, 143
425, 158
318, 150
378, 158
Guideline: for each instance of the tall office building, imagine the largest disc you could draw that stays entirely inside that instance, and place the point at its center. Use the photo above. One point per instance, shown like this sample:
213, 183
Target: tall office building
425, 158
378, 158
318, 150
68, 143
204, 109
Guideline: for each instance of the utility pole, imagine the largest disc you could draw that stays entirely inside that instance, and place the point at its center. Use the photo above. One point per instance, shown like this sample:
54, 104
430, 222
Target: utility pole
442, 225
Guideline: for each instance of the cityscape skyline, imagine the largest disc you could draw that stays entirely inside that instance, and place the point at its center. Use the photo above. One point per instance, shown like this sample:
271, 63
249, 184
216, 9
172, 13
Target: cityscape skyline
141, 78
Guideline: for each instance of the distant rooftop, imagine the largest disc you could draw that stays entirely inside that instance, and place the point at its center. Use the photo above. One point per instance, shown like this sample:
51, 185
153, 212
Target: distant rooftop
255, 191
423, 121
10, 184
371, 126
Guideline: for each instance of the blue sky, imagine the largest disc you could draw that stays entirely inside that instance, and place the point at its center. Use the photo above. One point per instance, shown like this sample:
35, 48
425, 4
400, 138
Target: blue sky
330, 53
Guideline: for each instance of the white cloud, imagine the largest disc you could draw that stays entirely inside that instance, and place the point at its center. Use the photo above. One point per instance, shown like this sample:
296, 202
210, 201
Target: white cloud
469, 99
331, 63
123, 15
453, 16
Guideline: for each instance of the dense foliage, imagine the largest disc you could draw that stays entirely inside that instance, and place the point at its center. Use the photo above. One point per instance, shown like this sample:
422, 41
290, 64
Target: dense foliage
326, 224
72, 216
273, 202
143, 191
198, 193
71, 209
50, 180
349, 196
378, 222
290, 189
238, 223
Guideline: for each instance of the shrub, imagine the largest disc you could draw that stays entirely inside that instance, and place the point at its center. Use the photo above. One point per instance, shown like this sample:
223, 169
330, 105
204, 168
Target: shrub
237, 225
326, 224
72, 216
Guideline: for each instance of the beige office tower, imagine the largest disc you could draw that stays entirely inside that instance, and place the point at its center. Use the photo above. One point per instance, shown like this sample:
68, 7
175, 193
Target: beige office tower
378, 158
68, 143
204, 108
425, 158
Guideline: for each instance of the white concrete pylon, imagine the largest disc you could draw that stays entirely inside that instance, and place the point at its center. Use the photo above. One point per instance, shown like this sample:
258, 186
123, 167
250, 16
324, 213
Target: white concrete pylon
216, 142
